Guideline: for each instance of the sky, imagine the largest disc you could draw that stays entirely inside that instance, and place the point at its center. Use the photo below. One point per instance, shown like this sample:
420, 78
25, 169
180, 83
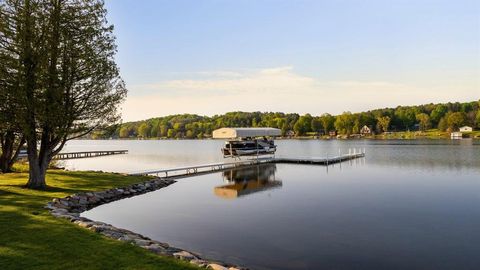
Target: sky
214, 56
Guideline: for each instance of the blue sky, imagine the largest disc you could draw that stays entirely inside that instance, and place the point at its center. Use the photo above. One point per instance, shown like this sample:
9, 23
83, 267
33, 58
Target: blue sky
209, 57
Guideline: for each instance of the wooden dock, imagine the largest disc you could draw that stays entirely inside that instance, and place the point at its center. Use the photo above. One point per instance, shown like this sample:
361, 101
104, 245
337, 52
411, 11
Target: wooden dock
319, 161
214, 167
88, 154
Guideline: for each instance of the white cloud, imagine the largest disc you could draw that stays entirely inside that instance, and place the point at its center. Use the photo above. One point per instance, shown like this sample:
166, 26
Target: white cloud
278, 89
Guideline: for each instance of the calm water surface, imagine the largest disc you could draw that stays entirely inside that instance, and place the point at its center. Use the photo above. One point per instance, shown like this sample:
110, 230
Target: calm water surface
407, 205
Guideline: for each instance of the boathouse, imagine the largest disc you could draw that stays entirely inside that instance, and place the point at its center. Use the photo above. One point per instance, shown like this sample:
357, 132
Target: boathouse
456, 135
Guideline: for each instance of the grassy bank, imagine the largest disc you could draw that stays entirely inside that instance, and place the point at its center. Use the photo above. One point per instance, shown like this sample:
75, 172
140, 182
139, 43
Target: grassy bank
428, 134
30, 238
409, 135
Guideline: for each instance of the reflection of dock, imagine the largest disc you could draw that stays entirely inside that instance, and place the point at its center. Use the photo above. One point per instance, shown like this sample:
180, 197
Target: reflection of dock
205, 168
248, 180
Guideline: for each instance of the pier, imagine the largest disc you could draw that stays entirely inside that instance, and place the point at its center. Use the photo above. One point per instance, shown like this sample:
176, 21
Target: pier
214, 167
88, 154
319, 161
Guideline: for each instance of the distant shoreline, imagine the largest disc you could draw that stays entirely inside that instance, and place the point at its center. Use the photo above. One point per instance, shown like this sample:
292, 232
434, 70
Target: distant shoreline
402, 135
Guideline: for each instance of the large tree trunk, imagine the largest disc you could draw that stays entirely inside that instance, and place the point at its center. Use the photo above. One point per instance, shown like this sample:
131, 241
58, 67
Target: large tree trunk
37, 162
37, 168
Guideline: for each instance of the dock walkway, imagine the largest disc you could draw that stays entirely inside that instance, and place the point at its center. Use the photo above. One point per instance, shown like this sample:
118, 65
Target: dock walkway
88, 154
214, 167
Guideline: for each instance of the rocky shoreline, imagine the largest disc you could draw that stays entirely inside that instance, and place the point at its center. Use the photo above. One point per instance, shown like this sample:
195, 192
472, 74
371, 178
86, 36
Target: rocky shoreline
72, 206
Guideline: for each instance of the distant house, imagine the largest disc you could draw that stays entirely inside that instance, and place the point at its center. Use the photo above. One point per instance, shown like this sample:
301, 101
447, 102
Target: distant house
365, 130
290, 133
332, 133
466, 129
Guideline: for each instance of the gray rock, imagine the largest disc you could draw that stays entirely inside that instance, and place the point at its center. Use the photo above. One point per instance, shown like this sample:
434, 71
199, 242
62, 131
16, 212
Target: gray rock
84, 224
215, 266
199, 263
60, 211
184, 255
142, 242
157, 249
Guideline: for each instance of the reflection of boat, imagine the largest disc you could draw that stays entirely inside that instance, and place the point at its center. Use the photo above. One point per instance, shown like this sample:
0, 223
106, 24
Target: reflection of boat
248, 180
247, 141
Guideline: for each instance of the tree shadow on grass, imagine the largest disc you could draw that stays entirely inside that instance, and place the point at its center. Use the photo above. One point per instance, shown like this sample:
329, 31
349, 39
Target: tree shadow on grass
30, 238
31, 242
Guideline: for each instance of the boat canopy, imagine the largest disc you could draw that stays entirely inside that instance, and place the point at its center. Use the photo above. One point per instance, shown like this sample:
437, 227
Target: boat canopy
230, 133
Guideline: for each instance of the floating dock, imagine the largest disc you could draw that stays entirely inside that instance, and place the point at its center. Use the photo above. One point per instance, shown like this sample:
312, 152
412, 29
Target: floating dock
88, 154
214, 167
319, 161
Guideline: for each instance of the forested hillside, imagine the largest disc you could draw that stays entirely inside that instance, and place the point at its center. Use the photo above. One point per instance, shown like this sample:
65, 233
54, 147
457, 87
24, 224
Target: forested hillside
449, 116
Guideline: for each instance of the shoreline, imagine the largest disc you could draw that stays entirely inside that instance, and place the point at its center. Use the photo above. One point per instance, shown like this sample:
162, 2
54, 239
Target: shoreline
71, 207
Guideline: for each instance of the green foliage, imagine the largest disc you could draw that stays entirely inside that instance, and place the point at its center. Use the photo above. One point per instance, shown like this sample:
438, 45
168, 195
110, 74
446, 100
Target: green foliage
144, 130
438, 113
388, 119
477, 119
316, 124
455, 120
406, 115
344, 123
442, 124
423, 121
327, 121
303, 125
62, 77
383, 123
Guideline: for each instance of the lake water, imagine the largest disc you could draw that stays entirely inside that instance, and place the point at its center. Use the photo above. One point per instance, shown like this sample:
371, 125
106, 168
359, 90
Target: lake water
406, 205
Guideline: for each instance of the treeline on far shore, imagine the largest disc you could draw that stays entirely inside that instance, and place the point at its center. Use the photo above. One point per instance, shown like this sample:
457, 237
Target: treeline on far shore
444, 117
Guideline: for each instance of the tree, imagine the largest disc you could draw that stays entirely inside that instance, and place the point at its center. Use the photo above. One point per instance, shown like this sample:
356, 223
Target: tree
316, 124
303, 125
455, 120
344, 123
383, 123
190, 134
327, 121
144, 130
442, 124
406, 115
437, 113
11, 139
11, 143
424, 121
478, 119
68, 84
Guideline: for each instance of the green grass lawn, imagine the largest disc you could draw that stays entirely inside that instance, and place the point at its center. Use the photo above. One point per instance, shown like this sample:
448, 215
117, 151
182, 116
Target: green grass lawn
30, 238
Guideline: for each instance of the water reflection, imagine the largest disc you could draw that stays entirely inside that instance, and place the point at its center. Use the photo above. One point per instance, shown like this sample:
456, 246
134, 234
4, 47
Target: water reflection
244, 181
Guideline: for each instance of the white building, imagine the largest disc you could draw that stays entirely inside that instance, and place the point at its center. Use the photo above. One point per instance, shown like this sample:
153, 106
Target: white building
456, 135
365, 130
466, 129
